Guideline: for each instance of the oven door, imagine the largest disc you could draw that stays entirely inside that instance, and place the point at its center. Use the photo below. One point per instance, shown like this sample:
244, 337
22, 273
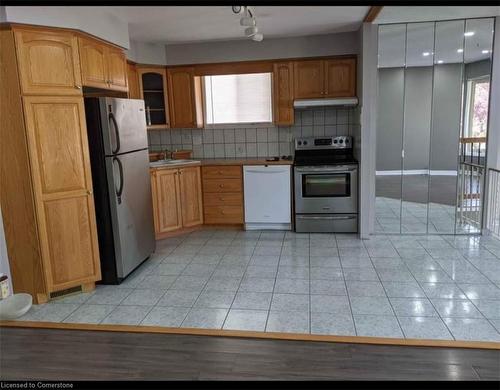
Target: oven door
326, 189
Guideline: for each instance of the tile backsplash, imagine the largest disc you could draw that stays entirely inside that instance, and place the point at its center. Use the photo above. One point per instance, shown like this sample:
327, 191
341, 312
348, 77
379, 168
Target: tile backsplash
257, 141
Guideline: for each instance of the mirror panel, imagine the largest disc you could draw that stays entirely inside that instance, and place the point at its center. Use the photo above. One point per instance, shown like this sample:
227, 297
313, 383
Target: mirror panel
446, 119
391, 61
417, 126
478, 37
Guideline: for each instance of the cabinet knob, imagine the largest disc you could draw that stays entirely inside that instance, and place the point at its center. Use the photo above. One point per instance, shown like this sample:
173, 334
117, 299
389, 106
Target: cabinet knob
221, 185
89, 192
221, 199
219, 172
78, 86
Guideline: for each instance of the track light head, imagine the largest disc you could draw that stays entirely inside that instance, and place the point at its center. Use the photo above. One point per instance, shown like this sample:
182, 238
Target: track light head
250, 31
247, 21
257, 37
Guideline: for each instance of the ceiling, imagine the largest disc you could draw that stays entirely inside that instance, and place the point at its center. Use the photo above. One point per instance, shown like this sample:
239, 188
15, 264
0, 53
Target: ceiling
399, 14
181, 24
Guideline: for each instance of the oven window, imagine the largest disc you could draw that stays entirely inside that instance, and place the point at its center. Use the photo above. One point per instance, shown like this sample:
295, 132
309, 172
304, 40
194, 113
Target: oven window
326, 185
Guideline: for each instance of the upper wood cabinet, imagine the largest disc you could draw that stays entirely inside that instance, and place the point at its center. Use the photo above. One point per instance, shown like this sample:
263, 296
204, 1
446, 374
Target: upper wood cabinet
177, 199
103, 66
308, 79
134, 91
57, 140
153, 89
48, 62
325, 78
184, 98
283, 93
117, 69
340, 77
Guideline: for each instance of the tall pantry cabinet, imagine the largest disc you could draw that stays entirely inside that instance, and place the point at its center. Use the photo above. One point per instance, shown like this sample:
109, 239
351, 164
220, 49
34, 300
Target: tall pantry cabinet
46, 185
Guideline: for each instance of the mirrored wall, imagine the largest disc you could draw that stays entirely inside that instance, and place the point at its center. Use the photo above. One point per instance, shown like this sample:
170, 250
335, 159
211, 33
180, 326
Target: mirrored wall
433, 101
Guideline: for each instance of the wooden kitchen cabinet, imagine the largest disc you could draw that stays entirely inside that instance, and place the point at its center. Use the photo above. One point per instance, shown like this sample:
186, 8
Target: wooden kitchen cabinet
48, 62
308, 79
184, 98
57, 140
153, 90
117, 69
177, 199
166, 200
103, 66
191, 198
283, 93
325, 78
46, 193
340, 78
134, 91
223, 194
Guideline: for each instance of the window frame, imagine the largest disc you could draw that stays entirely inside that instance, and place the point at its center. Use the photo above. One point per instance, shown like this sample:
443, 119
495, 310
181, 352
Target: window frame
236, 125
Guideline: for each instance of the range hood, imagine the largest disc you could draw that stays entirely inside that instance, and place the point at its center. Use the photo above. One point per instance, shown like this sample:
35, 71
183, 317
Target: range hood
342, 102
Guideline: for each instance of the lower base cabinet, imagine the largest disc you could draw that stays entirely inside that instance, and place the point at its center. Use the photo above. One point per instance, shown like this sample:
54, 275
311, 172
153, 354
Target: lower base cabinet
177, 199
223, 195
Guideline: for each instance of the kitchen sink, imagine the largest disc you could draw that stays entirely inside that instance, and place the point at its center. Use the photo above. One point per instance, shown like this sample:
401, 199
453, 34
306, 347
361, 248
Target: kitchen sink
161, 163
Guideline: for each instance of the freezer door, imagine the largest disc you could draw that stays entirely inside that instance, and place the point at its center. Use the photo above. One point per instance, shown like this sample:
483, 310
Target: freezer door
131, 209
124, 125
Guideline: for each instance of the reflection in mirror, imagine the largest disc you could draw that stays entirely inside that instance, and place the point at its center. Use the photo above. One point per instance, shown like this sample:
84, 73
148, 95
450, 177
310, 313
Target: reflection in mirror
445, 132
417, 126
391, 62
478, 37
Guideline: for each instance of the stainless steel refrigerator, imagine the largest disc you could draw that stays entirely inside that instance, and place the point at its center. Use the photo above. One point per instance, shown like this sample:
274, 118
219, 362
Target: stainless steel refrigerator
119, 158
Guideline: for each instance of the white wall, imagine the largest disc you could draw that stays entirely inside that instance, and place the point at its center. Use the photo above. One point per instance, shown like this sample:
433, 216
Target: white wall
4, 260
147, 53
368, 101
92, 20
243, 50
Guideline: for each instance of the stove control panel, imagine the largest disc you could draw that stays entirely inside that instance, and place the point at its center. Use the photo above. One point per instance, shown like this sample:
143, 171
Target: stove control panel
311, 143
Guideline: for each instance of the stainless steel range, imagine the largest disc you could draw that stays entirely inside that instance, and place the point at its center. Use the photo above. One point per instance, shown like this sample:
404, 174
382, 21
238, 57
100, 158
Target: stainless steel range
326, 185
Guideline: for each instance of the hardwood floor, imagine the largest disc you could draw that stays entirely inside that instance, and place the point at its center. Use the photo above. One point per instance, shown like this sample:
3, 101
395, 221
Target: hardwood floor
95, 355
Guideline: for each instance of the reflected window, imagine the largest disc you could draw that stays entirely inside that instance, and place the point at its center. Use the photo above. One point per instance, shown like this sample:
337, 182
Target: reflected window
477, 121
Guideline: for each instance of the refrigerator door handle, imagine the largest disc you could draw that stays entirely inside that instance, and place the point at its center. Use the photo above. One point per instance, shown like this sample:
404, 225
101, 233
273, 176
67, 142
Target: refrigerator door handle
117, 133
119, 190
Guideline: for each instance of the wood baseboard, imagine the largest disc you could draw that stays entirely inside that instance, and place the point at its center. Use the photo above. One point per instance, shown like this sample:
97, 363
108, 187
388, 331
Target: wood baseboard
176, 233
253, 334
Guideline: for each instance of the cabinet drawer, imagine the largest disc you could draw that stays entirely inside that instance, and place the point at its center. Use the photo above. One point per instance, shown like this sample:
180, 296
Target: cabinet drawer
222, 185
224, 214
216, 172
223, 199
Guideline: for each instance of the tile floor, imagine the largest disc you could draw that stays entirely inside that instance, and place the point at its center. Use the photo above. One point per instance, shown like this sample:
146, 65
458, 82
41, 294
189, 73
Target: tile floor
432, 287
395, 216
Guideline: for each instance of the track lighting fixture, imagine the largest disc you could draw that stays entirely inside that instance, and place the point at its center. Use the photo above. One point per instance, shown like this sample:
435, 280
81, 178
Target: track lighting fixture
248, 21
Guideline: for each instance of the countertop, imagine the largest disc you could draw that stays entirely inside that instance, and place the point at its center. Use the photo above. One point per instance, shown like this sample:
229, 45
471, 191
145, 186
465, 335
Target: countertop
225, 161
243, 161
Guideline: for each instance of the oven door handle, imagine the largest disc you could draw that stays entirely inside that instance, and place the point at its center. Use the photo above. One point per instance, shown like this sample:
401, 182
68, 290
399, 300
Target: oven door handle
325, 218
340, 169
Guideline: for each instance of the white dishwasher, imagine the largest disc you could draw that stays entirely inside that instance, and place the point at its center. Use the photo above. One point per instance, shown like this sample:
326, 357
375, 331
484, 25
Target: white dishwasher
267, 190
